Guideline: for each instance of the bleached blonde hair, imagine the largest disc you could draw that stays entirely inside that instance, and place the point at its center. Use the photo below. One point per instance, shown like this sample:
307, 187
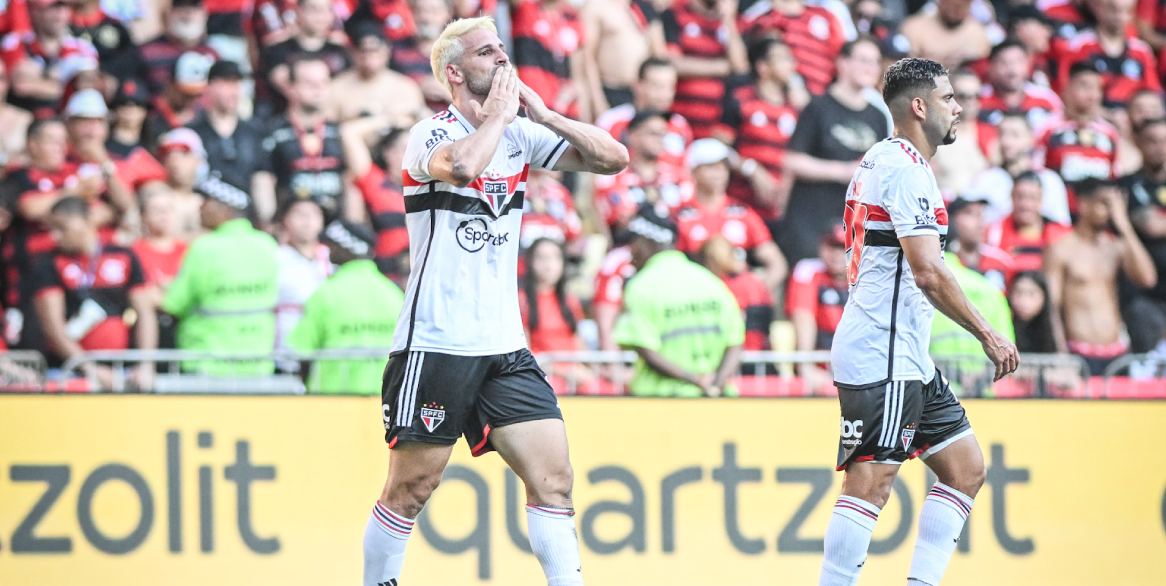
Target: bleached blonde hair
448, 48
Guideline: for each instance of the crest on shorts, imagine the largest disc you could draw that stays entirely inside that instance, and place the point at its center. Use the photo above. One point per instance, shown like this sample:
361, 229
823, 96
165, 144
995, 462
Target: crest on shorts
432, 415
908, 436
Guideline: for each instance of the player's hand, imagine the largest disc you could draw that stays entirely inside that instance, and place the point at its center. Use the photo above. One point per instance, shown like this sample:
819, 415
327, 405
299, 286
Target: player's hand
1002, 353
536, 109
503, 99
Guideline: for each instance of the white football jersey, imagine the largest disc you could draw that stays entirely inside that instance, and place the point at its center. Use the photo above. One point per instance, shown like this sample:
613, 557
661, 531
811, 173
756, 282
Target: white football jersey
886, 324
462, 295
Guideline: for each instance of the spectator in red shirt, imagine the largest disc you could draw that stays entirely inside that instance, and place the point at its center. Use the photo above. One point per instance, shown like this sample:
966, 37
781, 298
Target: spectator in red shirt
185, 32
706, 47
395, 16
1025, 234
1009, 90
87, 121
375, 174
14, 17
179, 103
655, 89
548, 211
551, 315
411, 56
42, 62
548, 38
1082, 145
760, 118
966, 239
712, 212
1068, 16
614, 272
755, 299
84, 287
817, 293
1127, 65
646, 179
813, 33
160, 252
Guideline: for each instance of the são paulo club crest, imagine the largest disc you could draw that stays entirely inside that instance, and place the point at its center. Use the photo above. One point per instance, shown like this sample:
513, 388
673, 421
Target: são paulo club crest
908, 434
432, 415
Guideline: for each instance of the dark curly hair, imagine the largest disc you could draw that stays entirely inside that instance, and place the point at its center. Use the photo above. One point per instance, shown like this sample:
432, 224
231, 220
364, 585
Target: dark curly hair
910, 76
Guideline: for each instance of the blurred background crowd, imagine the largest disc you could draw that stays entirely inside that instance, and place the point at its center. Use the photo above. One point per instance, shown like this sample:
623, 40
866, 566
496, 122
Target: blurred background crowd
131, 128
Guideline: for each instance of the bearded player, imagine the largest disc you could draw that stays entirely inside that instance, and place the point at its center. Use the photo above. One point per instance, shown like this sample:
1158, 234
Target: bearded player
459, 364
895, 404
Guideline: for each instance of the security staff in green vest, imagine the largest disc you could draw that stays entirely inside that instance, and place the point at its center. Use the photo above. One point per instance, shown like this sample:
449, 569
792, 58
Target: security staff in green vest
225, 294
950, 341
356, 308
680, 318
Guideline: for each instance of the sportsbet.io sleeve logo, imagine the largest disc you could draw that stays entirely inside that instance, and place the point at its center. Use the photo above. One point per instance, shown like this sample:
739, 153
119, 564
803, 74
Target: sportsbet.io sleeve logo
474, 234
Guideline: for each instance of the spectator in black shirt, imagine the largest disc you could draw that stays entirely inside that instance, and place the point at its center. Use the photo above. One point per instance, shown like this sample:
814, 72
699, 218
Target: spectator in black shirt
116, 51
185, 31
315, 21
832, 134
232, 144
411, 56
1145, 313
178, 105
130, 105
303, 156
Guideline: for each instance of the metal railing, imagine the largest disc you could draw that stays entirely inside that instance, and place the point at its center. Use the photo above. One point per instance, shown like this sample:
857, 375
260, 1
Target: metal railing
22, 370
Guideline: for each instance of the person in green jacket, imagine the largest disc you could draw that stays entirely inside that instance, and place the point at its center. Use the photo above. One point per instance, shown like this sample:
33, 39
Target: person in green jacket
680, 318
356, 308
949, 340
225, 294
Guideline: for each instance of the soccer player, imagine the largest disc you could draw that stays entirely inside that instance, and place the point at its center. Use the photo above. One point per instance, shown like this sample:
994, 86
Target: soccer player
895, 404
460, 364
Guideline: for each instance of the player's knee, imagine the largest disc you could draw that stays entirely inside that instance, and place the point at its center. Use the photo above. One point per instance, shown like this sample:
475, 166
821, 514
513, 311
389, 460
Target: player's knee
974, 480
553, 488
410, 496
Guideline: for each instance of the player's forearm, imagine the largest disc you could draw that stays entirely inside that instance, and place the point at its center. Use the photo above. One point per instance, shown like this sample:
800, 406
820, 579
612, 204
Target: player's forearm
600, 152
146, 329
730, 362
942, 290
805, 331
666, 367
468, 157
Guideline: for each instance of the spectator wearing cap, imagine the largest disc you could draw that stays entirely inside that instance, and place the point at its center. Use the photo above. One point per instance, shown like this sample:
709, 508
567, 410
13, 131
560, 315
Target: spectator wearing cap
185, 31
549, 56
967, 237
621, 35
1082, 271
646, 179
116, 51
303, 266
753, 296
994, 185
178, 105
1025, 234
814, 35
817, 292
688, 339
82, 290
315, 20
1127, 64
705, 45
759, 119
360, 91
956, 164
1009, 90
233, 145
949, 35
43, 61
184, 161
14, 121
161, 253
832, 134
225, 294
30, 191
1029, 25
356, 308
1082, 145
711, 212
375, 176
410, 56
654, 90
303, 155
87, 122
130, 105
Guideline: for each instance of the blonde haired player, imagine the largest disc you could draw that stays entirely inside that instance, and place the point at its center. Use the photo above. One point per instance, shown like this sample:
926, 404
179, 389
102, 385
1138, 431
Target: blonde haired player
459, 365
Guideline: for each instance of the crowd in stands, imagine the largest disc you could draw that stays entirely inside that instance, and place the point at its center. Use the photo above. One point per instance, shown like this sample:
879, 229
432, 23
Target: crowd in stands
146, 143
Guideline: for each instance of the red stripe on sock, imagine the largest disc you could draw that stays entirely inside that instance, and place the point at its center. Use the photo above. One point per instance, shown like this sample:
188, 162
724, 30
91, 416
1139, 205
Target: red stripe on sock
565, 513
951, 495
846, 505
959, 506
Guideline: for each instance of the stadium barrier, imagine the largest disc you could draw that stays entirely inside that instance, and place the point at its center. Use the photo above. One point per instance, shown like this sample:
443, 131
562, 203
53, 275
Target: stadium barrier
141, 490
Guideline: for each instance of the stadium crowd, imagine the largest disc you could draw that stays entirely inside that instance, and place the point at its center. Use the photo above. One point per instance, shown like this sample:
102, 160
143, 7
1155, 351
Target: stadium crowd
141, 138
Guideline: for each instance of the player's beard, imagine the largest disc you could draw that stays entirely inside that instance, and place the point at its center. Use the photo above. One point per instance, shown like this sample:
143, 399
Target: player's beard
950, 136
479, 84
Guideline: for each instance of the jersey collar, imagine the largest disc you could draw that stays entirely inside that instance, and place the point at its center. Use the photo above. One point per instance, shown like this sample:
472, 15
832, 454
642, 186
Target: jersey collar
461, 119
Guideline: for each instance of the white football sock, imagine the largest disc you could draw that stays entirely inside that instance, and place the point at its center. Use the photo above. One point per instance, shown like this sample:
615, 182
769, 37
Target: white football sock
945, 510
553, 540
847, 538
385, 537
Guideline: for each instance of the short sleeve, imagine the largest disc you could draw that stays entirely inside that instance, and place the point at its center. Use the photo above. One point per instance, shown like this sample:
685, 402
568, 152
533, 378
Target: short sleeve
44, 277
424, 140
906, 197
137, 273
732, 318
805, 137
634, 329
267, 153
802, 293
756, 233
545, 146
182, 293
